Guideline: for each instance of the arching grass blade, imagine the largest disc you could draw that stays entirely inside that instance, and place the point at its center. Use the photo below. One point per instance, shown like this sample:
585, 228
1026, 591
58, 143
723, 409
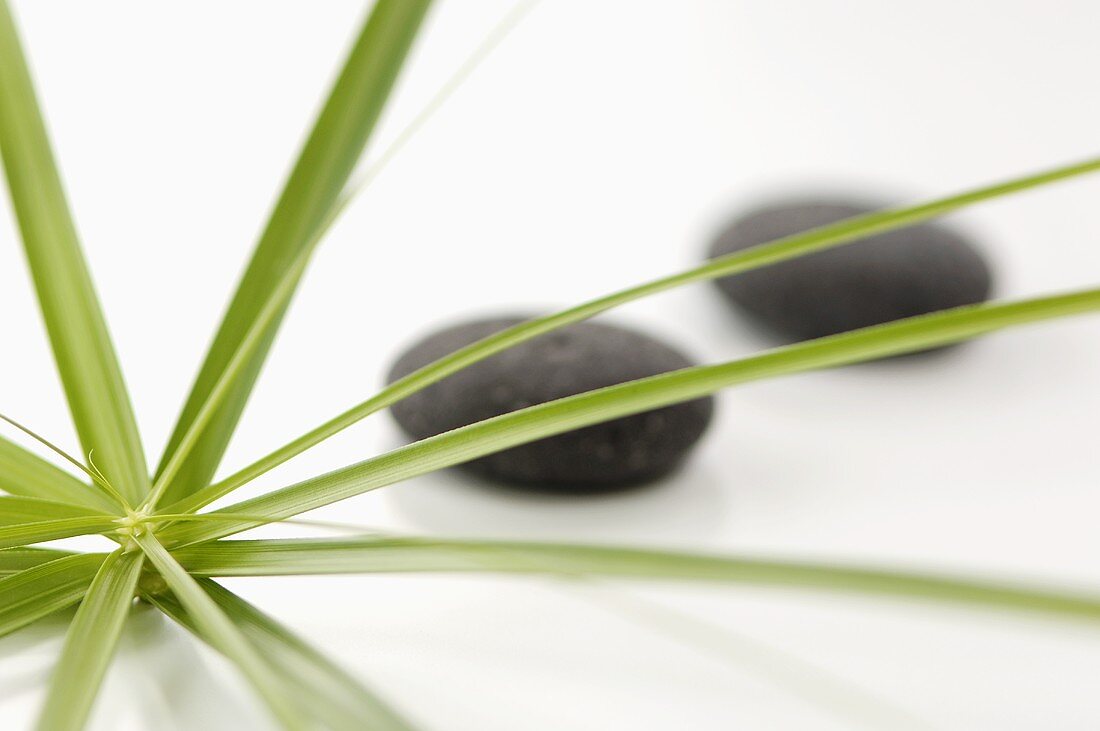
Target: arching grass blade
762, 255
322, 170
555, 417
82, 346
401, 555
90, 643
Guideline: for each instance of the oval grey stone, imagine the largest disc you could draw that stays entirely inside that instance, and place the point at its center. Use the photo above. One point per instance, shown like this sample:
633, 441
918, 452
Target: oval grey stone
614, 455
885, 277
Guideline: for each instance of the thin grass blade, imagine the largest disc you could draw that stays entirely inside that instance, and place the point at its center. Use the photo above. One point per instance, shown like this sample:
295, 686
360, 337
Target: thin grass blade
321, 172
16, 510
14, 560
90, 643
496, 35
82, 347
405, 555
575, 412
213, 624
40, 531
280, 295
99, 481
333, 697
765, 254
28, 475
47, 587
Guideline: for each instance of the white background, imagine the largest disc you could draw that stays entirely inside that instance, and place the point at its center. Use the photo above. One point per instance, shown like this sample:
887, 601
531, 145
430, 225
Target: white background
600, 146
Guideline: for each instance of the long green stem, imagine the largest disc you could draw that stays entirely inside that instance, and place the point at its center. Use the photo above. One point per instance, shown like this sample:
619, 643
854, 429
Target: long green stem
575, 412
769, 253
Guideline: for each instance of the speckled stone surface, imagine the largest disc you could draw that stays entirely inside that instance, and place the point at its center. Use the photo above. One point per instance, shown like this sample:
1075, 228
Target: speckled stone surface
615, 455
886, 277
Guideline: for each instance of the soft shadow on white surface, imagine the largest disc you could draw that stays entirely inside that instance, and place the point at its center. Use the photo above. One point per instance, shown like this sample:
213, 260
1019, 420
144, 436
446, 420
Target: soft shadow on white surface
689, 506
180, 687
161, 679
29, 656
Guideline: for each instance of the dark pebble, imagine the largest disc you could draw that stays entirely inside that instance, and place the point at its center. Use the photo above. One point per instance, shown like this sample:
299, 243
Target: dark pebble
614, 455
885, 277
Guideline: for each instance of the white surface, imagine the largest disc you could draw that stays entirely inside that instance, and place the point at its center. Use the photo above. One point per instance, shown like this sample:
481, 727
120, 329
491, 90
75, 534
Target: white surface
598, 148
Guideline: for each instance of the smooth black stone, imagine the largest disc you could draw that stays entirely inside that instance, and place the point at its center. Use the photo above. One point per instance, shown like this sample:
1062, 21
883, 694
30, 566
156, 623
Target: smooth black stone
889, 276
614, 455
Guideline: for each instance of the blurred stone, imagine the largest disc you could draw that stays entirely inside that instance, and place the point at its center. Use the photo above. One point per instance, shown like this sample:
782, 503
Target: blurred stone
614, 455
885, 277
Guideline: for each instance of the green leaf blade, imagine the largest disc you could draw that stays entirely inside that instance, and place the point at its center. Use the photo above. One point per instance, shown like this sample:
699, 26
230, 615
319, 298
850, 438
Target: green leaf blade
554, 417
40, 531
311, 192
14, 560
28, 475
15, 510
90, 643
44, 588
82, 347
400, 555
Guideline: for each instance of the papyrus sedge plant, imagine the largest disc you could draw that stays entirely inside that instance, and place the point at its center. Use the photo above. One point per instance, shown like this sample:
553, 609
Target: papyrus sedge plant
169, 552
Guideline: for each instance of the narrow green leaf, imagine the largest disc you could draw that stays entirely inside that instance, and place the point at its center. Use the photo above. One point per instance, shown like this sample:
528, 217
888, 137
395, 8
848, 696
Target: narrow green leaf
230, 376
555, 417
325, 691
82, 346
28, 475
222, 634
14, 560
24, 534
44, 588
322, 170
15, 510
386, 555
462, 73
279, 296
116, 500
90, 643
268, 316
825, 237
